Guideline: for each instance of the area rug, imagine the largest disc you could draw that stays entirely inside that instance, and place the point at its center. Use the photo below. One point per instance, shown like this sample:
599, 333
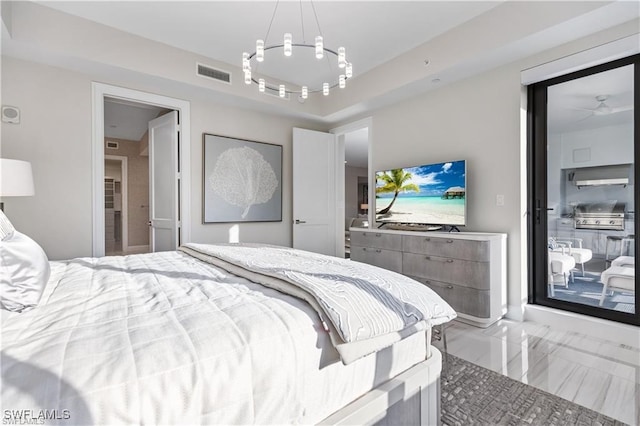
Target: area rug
473, 395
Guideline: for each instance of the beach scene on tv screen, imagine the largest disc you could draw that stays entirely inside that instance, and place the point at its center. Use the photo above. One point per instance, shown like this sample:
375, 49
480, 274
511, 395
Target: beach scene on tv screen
428, 194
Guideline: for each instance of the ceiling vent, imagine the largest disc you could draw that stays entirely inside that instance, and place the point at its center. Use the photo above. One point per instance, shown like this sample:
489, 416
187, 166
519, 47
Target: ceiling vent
112, 145
213, 73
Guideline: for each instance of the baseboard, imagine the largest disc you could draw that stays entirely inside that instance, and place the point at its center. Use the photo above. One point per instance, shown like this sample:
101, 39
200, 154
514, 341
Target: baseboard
624, 334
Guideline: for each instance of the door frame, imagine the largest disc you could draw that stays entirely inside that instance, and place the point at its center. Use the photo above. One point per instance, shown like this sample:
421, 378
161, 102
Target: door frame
98, 93
537, 191
125, 201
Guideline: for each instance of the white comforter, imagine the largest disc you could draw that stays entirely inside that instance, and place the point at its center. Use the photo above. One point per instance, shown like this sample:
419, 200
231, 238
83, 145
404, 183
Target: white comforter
165, 338
364, 308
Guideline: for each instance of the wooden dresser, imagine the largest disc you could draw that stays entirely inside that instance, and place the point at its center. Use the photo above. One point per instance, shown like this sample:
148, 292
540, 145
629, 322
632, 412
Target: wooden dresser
467, 269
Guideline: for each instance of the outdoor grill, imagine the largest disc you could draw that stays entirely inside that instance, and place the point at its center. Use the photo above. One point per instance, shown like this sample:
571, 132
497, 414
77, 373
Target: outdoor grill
606, 216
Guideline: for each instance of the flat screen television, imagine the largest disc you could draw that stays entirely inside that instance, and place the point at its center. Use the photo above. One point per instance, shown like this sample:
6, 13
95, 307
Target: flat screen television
430, 194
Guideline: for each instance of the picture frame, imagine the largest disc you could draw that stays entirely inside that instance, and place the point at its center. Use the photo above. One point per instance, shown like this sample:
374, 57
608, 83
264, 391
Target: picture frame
241, 180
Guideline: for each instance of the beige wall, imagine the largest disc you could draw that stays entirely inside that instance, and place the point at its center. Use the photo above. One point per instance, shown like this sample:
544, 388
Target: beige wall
113, 170
137, 190
351, 175
55, 136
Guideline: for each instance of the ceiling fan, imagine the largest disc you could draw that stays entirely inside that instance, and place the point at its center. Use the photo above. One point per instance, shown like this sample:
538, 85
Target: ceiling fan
603, 108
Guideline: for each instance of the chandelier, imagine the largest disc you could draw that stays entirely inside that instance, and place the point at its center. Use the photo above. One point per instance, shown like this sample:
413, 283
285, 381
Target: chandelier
337, 77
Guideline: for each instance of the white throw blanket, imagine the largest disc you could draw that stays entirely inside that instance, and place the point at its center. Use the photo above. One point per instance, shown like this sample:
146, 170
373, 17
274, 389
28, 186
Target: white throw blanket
368, 308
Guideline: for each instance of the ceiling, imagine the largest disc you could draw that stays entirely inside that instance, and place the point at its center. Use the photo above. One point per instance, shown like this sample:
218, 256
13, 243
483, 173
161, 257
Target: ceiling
399, 49
128, 120
571, 105
372, 32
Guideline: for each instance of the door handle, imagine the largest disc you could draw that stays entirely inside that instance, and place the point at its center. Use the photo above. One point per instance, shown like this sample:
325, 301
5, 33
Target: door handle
298, 221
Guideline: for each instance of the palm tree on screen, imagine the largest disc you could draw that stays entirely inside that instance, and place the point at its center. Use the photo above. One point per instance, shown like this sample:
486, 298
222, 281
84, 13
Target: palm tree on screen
395, 181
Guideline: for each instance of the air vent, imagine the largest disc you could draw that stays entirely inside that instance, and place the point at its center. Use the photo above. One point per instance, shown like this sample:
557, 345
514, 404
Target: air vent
212, 73
112, 145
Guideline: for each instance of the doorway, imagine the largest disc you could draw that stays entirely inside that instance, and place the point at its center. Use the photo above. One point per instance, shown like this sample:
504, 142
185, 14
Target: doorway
356, 182
126, 149
116, 204
583, 162
103, 95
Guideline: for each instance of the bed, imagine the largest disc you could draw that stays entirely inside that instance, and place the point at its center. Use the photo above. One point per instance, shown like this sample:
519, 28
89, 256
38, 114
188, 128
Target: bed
217, 334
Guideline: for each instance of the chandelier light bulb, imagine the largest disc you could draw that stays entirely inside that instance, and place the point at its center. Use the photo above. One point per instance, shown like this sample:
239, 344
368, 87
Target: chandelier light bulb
319, 48
287, 44
349, 70
342, 81
325, 89
247, 77
261, 85
282, 91
342, 57
260, 50
245, 61
305, 92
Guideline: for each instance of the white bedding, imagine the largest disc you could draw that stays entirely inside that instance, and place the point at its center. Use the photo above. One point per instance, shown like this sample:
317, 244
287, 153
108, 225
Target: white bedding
166, 338
364, 308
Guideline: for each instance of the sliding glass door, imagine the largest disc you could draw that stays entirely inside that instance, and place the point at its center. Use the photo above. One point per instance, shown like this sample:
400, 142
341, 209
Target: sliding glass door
583, 163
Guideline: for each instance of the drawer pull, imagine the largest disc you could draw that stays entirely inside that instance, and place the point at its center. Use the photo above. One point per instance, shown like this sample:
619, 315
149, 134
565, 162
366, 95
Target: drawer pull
439, 260
449, 286
375, 250
378, 235
447, 241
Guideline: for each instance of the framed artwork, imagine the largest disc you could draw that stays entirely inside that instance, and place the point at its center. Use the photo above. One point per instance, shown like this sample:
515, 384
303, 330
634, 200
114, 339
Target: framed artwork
242, 180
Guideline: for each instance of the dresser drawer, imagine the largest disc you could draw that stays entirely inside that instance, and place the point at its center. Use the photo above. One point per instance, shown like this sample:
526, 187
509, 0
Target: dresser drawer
447, 247
387, 259
464, 300
461, 272
377, 240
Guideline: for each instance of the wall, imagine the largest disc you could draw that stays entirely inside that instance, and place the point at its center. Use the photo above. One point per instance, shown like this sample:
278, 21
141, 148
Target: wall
113, 170
351, 175
607, 145
137, 190
483, 120
55, 136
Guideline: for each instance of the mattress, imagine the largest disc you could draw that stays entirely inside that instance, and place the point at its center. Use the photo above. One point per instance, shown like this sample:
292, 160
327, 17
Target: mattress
166, 338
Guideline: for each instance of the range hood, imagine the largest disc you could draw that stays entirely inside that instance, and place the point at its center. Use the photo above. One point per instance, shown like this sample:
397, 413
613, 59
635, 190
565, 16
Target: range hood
602, 175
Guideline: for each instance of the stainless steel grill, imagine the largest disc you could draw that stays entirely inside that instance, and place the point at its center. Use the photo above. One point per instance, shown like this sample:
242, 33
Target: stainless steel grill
607, 216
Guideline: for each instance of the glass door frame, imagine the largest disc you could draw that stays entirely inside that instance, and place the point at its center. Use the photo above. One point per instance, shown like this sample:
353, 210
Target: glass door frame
537, 192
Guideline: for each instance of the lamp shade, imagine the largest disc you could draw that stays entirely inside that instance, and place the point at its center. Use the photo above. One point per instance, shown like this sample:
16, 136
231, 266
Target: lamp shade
16, 178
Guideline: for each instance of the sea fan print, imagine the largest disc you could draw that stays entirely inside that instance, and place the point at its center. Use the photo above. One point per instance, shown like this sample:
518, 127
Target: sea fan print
243, 178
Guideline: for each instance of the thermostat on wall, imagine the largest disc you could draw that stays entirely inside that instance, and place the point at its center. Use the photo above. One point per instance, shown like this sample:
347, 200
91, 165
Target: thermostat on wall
10, 114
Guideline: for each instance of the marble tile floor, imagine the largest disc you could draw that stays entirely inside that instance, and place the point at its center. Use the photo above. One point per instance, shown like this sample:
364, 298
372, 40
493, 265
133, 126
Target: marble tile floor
595, 373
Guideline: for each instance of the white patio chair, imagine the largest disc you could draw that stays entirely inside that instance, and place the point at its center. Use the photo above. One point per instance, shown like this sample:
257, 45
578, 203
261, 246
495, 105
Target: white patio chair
572, 247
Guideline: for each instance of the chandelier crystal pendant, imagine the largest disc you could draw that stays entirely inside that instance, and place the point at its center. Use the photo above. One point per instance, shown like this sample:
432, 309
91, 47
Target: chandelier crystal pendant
342, 72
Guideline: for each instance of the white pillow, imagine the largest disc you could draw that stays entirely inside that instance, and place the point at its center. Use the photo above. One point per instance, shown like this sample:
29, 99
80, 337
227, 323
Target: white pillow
24, 272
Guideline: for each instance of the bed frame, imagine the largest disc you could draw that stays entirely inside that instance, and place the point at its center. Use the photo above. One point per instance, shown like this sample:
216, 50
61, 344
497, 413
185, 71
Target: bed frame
410, 398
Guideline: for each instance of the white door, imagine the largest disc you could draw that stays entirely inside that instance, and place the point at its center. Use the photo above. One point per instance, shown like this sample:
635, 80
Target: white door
164, 181
316, 197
